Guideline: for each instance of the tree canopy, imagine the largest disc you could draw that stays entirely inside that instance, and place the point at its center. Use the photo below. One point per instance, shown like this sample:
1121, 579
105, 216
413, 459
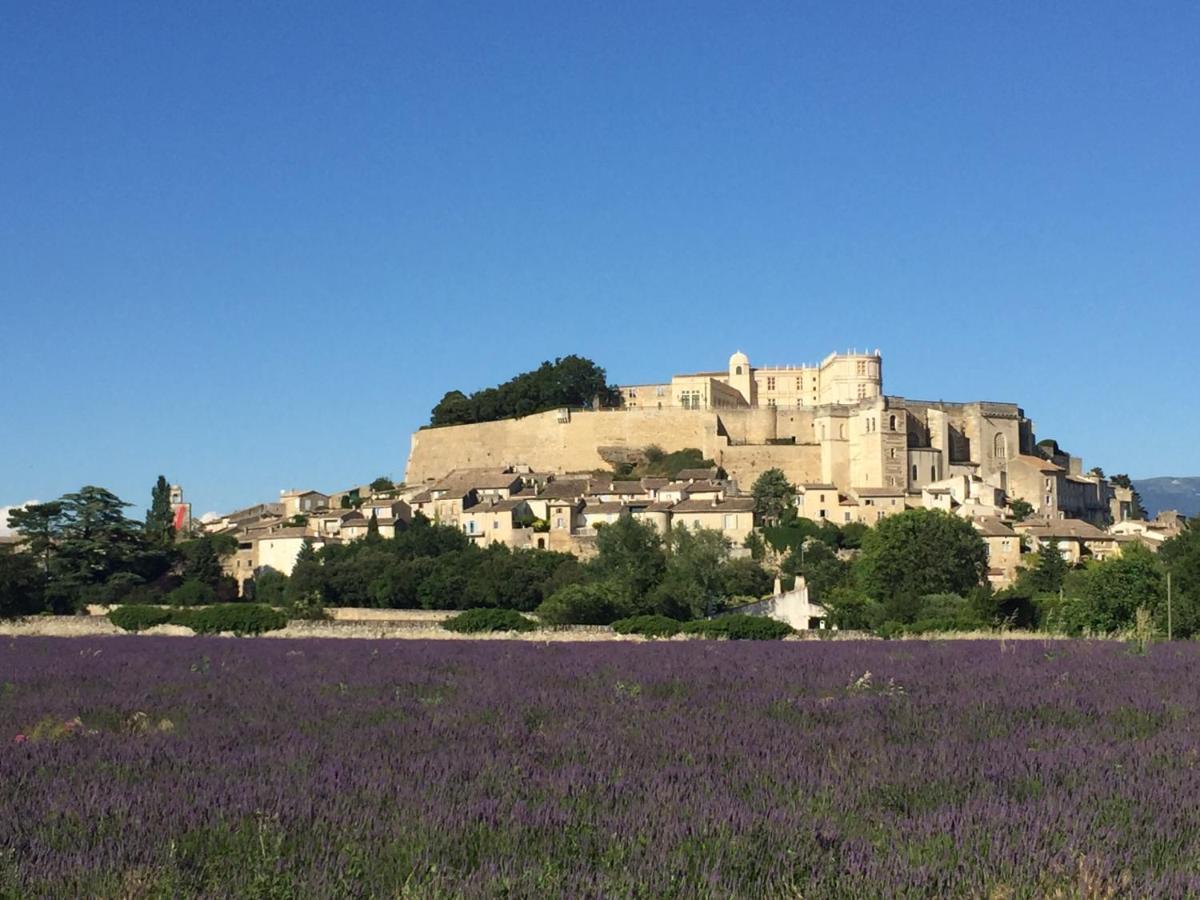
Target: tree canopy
920, 552
773, 496
568, 381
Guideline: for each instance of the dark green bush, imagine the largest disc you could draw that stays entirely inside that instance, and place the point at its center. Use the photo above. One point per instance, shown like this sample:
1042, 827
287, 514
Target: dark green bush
647, 626
191, 593
474, 621
598, 603
240, 618
740, 627
139, 618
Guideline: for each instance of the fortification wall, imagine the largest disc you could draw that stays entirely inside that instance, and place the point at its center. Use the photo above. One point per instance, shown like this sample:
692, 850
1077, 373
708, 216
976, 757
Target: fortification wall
801, 463
549, 444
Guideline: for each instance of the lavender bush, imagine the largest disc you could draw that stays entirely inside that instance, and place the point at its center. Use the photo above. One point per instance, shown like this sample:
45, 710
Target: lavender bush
139, 767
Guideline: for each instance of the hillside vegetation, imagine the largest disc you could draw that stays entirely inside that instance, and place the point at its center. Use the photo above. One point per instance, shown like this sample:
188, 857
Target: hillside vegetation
569, 381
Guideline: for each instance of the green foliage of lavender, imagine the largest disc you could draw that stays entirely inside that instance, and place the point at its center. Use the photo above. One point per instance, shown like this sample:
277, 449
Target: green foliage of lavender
683, 769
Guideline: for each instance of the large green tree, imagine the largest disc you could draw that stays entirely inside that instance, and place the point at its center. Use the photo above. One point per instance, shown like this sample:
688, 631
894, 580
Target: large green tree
21, 583
1114, 588
773, 496
1181, 557
917, 553
629, 554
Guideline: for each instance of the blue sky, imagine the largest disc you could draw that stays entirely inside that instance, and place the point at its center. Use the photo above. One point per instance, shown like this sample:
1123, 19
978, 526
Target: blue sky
250, 245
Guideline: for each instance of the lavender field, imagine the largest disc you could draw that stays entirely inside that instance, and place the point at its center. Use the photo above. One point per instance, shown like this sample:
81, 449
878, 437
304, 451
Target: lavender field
142, 766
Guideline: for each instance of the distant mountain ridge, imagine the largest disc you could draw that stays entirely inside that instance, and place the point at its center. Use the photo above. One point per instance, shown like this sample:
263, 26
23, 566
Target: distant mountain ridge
1167, 492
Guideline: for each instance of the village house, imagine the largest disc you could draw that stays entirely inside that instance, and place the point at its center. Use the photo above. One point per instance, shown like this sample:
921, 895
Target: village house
1075, 539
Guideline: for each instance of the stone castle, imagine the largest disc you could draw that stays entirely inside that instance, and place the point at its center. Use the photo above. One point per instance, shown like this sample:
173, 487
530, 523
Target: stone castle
828, 427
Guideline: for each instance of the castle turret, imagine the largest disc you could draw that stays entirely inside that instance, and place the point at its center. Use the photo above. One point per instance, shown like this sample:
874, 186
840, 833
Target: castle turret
740, 378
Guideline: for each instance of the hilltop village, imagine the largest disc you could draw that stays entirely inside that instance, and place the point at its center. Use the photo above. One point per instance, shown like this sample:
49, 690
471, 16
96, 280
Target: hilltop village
852, 454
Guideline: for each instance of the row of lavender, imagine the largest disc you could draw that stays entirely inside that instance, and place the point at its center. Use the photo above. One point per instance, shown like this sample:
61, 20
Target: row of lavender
217, 767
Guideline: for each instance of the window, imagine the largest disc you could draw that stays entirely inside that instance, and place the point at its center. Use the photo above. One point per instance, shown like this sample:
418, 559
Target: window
660, 391
695, 523
770, 384
821, 514
847, 517
730, 522
892, 423
892, 453
822, 498
558, 523
633, 392
737, 370
862, 392
862, 367
914, 478
933, 473
799, 384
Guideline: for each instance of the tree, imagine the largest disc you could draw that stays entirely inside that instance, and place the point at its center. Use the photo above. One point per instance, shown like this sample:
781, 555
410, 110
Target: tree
1021, 509
40, 527
629, 554
1048, 572
598, 603
381, 484
693, 583
571, 381
820, 566
1114, 589
920, 552
773, 495
373, 527
1181, 557
160, 523
1137, 511
21, 583
306, 584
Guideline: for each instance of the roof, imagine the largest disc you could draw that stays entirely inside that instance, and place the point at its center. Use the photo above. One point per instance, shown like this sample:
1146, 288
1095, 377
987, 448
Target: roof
563, 490
653, 483
704, 487
604, 508
286, 533
1043, 465
1063, 528
658, 506
301, 493
990, 526
626, 487
816, 487
879, 491
696, 474
734, 504
497, 507
423, 497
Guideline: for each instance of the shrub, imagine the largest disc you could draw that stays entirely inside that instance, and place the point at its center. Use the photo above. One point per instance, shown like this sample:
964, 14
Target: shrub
240, 618
648, 626
475, 621
139, 618
191, 593
740, 627
598, 603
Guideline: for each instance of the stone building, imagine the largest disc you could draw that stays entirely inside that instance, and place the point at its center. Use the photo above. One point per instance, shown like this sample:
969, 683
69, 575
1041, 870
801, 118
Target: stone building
826, 426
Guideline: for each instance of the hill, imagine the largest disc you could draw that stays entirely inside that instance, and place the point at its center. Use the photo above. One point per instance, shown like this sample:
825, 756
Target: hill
1182, 494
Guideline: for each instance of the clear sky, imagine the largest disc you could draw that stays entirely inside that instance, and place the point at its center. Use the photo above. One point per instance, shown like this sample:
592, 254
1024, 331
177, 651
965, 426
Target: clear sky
249, 246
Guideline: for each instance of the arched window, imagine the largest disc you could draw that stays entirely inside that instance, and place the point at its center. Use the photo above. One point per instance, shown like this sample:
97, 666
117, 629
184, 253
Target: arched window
842, 432
892, 423
1000, 447
737, 370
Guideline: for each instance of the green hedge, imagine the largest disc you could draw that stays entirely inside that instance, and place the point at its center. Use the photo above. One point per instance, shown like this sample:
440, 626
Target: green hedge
740, 627
647, 626
474, 621
139, 618
240, 618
